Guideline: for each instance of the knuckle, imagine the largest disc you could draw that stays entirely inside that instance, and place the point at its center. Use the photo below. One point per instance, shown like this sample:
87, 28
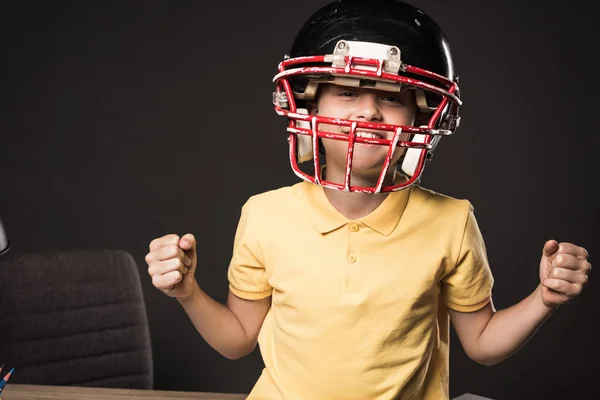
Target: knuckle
148, 258
173, 238
163, 241
556, 272
174, 250
559, 259
156, 282
557, 285
575, 289
164, 253
176, 277
176, 263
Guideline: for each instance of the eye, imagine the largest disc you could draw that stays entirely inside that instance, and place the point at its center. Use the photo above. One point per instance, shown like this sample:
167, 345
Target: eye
347, 93
393, 99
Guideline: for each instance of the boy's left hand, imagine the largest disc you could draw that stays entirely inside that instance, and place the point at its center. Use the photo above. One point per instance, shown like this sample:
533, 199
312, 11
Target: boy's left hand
564, 271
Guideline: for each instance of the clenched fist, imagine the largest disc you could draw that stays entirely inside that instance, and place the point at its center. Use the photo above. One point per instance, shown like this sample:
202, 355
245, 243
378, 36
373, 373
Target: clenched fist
564, 270
172, 263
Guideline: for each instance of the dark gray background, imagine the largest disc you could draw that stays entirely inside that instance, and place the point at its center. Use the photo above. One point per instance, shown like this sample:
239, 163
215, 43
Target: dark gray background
124, 121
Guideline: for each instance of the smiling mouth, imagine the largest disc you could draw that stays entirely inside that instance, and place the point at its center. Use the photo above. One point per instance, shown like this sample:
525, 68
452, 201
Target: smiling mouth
365, 133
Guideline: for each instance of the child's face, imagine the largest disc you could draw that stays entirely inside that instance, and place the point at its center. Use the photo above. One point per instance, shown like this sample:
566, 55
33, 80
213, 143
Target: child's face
361, 104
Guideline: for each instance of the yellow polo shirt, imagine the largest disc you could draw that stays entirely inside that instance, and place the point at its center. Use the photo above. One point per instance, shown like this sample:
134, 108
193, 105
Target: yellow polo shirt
359, 307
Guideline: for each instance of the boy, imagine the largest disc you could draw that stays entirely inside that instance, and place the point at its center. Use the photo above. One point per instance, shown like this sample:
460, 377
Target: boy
348, 279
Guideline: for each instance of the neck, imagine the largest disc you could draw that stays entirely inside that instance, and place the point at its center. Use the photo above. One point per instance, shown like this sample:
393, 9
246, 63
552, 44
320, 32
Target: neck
354, 205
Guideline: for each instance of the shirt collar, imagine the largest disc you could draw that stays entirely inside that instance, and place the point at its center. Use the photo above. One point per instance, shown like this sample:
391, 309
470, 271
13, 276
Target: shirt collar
326, 218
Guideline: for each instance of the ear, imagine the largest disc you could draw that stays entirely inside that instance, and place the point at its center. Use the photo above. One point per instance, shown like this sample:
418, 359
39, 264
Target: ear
311, 106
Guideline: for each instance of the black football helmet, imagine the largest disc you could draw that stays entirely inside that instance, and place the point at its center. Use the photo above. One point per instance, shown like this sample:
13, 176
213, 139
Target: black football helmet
382, 44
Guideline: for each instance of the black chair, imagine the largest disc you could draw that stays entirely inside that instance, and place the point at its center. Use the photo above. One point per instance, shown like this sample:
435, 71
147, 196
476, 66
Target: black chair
4, 243
75, 318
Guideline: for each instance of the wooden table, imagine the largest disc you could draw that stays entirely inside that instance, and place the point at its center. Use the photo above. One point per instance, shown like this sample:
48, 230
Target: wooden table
39, 392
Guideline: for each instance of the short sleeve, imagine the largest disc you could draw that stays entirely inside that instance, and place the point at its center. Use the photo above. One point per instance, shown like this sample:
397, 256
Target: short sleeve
246, 274
468, 286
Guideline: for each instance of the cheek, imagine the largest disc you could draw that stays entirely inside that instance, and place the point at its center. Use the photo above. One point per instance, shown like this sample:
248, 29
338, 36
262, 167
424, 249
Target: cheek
405, 117
325, 111
335, 150
329, 128
333, 109
399, 151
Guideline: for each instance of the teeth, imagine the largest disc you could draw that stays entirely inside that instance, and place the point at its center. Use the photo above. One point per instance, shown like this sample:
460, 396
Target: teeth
363, 134
367, 135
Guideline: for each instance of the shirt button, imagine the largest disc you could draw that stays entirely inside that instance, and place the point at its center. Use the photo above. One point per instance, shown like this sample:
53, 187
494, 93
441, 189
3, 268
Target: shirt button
352, 258
354, 227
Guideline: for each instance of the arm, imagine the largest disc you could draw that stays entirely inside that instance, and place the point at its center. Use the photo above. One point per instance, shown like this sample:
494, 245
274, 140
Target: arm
489, 336
230, 329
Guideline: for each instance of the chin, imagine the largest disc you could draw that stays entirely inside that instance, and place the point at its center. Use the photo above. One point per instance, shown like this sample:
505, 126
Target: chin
368, 171
369, 163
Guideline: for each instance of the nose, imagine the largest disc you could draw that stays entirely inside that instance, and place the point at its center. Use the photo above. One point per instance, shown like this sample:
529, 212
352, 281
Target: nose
368, 108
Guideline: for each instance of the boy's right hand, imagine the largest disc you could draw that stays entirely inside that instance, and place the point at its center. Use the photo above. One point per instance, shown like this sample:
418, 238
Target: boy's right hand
172, 263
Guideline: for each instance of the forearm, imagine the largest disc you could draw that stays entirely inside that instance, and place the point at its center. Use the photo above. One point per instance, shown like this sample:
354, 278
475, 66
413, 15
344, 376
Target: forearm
508, 330
217, 324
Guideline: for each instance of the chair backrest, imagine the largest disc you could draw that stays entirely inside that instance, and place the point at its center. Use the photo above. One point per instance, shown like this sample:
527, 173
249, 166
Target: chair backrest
4, 243
75, 318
